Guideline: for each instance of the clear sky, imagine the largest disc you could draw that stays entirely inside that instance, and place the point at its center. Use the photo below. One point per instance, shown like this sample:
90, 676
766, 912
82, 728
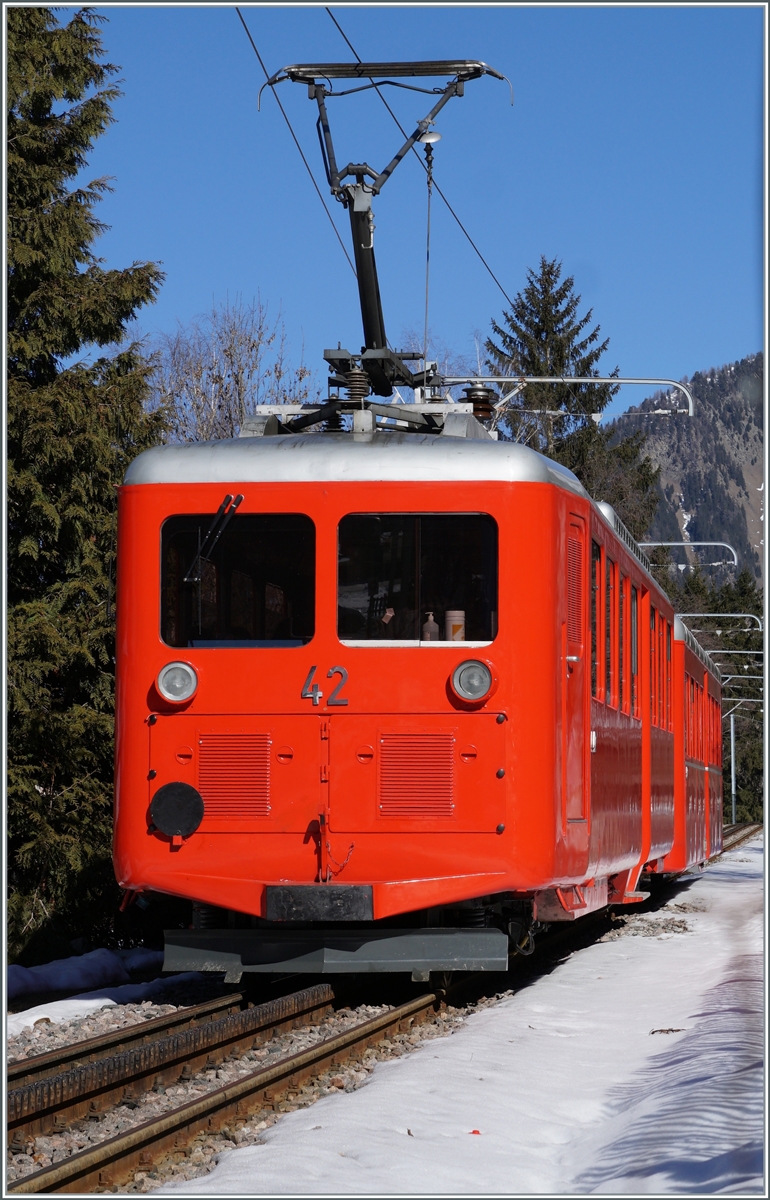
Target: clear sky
633, 153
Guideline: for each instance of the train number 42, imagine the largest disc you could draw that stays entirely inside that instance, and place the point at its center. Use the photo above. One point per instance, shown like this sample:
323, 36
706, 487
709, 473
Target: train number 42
311, 691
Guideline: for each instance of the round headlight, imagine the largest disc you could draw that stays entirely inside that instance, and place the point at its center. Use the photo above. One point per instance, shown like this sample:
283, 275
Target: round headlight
177, 682
472, 680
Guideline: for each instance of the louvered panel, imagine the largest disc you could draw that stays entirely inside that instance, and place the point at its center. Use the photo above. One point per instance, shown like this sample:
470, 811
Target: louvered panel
416, 775
575, 591
234, 774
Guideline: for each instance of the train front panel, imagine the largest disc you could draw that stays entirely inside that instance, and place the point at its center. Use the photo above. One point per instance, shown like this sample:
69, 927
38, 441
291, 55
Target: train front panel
328, 735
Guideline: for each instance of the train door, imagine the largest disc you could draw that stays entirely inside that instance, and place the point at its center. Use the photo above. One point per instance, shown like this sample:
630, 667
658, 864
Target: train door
574, 679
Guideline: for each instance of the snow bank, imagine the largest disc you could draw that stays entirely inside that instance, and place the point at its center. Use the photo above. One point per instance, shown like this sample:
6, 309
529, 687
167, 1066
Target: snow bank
94, 970
635, 1067
98, 968
67, 974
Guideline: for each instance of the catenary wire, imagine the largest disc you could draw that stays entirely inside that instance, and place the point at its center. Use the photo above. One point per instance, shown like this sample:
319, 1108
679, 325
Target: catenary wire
422, 164
296, 142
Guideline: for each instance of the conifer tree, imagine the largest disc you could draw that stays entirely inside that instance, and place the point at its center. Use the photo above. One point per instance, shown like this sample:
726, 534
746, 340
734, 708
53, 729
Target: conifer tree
545, 335
72, 430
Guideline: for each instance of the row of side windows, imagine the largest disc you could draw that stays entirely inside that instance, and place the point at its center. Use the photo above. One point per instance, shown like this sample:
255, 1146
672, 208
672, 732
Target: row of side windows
614, 635
615, 644
702, 724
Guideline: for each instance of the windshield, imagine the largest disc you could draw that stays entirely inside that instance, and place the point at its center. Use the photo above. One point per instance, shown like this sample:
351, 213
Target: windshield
417, 577
254, 587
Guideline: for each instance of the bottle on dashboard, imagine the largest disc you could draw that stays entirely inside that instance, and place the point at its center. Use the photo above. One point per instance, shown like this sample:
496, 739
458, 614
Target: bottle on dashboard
430, 629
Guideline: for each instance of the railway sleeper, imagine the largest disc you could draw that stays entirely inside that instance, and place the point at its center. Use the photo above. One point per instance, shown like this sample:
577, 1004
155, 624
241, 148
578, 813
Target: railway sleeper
116, 1159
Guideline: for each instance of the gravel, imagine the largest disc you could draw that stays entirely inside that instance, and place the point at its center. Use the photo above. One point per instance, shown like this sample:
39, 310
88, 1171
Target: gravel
658, 925
46, 1035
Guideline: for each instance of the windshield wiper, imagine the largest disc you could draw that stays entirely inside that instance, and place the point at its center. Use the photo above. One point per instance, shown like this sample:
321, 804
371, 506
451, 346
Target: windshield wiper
222, 518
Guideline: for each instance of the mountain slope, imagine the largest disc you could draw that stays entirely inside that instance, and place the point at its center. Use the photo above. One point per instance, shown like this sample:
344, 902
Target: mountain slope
711, 480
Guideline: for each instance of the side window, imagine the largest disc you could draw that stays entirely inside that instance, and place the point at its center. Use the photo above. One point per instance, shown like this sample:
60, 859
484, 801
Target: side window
654, 665
596, 573
622, 641
686, 722
634, 651
661, 673
669, 723
610, 634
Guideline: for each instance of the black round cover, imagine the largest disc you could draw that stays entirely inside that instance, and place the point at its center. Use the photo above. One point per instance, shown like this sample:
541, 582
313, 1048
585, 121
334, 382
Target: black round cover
176, 808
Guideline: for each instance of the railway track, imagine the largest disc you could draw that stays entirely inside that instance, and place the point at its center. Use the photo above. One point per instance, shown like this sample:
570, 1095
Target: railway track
44, 1098
113, 1161
51, 1091
733, 835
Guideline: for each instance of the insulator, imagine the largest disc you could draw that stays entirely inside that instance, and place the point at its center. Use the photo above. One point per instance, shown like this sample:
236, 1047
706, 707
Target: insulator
482, 398
357, 384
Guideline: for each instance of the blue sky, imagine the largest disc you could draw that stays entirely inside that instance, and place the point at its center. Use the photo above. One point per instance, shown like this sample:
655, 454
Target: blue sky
633, 153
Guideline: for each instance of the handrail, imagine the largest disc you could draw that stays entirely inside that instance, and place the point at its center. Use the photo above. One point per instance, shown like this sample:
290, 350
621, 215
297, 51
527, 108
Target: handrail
726, 545
748, 616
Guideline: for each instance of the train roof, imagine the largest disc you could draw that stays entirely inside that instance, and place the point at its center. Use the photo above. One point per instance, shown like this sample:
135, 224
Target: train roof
384, 456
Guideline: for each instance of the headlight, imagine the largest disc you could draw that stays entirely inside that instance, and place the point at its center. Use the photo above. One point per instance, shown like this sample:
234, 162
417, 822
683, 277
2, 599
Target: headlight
472, 680
177, 682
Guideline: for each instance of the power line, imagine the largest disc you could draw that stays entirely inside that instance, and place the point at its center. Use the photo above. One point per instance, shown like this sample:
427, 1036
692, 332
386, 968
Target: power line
296, 143
422, 164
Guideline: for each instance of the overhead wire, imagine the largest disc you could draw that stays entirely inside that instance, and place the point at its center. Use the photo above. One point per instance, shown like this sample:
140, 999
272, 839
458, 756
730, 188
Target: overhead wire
422, 164
296, 142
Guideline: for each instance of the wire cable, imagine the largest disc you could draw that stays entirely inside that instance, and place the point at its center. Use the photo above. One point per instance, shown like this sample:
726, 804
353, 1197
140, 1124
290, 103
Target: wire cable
296, 143
422, 164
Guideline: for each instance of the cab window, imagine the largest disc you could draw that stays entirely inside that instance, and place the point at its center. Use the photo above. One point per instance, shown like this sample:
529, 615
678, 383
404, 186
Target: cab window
417, 577
252, 585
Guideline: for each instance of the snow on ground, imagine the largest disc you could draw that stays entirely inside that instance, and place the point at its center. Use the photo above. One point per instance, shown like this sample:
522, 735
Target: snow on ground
635, 1067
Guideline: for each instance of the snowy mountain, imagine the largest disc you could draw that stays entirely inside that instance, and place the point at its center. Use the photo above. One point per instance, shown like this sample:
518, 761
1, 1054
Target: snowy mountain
711, 480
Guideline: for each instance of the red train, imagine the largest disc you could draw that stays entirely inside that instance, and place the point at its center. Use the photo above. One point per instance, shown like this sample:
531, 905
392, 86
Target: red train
390, 697
387, 699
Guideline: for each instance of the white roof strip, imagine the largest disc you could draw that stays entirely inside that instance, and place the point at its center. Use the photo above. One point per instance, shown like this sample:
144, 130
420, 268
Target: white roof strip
383, 456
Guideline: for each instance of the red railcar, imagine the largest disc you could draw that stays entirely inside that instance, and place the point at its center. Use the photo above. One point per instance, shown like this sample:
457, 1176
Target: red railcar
698, 755
386, 700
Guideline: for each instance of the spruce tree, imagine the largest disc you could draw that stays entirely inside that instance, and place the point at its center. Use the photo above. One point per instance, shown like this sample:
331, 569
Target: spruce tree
544, 335
72, 429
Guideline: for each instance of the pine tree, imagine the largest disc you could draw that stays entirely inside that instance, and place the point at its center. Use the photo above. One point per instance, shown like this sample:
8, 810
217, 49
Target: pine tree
544, 335
72, 430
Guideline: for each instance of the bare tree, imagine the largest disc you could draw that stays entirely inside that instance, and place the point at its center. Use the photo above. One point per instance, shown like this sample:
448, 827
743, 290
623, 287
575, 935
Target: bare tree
211, 374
